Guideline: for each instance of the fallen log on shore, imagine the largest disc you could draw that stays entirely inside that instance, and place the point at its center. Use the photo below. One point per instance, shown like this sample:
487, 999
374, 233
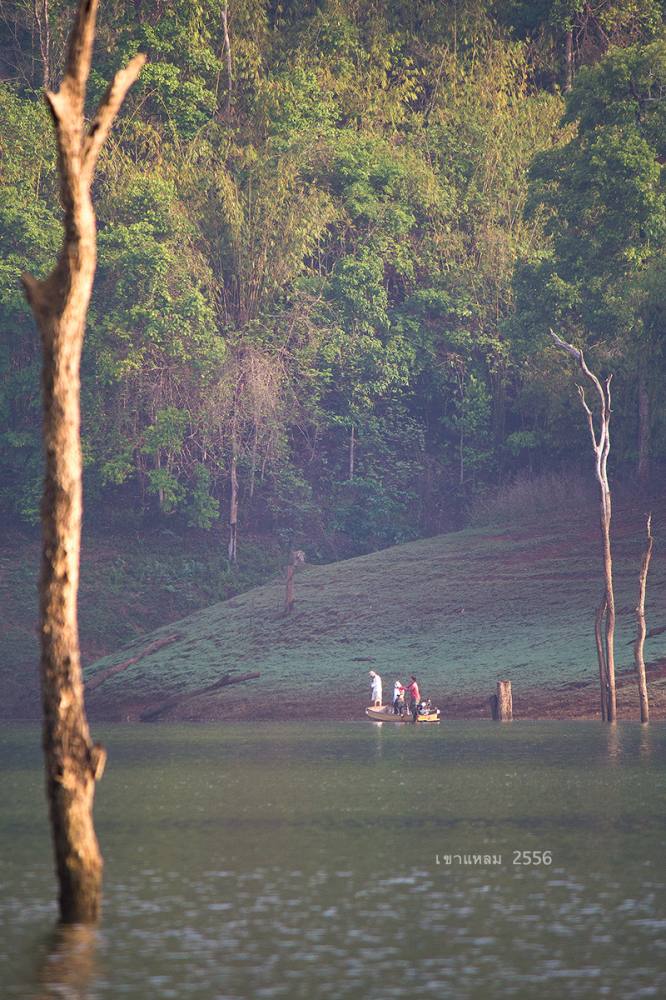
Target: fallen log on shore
103, 675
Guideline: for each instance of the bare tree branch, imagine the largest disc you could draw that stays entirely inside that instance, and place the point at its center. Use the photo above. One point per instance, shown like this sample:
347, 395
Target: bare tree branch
108, 109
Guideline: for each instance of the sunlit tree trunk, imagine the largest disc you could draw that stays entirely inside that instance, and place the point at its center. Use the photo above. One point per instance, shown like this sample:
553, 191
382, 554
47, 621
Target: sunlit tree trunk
60, 304
460, 375
644, 420
289, 599
639, 660
568, 60
227, 53
232, 549
601, 656
41, 9
601, 448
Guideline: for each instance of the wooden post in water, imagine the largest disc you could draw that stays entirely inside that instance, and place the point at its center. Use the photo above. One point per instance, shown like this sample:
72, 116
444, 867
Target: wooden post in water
494, 711
504, 701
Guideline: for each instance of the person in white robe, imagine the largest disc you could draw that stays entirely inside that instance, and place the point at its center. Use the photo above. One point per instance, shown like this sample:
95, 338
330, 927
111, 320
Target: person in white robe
376, 689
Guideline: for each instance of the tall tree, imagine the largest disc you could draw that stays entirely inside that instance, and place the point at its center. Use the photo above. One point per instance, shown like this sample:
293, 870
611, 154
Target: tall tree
601, 449
60, 304
603, 199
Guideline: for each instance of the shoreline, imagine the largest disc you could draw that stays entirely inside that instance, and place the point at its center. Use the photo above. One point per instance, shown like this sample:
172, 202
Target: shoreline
575, 701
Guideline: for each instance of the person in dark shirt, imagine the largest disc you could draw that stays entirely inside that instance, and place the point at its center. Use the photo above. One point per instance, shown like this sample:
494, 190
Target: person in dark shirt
398, 698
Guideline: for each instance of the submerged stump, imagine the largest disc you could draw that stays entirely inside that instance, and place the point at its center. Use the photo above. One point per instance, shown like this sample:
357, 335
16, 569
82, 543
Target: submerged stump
504, 701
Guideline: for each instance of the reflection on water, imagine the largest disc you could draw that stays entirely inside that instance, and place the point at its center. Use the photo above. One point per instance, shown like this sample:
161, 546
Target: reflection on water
69, 967
289, 861
613, 733
645, 745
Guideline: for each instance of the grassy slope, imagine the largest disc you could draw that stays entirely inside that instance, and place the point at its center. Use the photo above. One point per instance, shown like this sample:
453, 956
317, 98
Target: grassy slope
460, 610
131, 583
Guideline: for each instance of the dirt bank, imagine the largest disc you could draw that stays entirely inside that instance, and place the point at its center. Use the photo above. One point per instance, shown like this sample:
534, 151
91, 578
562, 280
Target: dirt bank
577, 700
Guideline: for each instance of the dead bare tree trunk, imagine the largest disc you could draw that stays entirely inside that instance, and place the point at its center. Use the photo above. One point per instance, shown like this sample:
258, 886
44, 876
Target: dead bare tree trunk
644, 421
639, 661
227, 52
568, 61
460, 376
233, 505
601, 656
41, 12
296, 558
289, 599
60, 305
601, 448
232, 549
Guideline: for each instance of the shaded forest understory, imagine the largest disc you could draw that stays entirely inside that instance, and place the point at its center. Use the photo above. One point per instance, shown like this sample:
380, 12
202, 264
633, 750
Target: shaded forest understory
130, 584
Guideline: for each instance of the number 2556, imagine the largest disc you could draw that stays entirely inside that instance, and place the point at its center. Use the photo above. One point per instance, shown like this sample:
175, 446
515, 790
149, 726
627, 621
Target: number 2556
532, 857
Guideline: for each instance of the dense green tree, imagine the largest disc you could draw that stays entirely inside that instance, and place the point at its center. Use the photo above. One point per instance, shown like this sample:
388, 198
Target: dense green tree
605, 203
309, 225
569, 34
30, 236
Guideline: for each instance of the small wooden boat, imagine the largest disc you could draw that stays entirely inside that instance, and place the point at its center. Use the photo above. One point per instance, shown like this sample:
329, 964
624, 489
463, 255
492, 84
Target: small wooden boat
385, 714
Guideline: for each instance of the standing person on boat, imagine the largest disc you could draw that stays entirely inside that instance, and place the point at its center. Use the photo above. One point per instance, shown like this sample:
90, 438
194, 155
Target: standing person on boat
376, 690
398, 698
414, 696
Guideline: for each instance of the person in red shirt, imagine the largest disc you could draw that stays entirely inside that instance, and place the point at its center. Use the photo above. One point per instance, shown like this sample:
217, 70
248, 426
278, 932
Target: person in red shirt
414, 696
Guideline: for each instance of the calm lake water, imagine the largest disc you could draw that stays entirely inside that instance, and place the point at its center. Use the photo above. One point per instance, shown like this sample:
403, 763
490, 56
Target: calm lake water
342, 861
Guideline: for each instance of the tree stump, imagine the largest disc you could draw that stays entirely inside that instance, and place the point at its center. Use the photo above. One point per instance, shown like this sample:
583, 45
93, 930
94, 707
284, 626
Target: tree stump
504, 701
296, 558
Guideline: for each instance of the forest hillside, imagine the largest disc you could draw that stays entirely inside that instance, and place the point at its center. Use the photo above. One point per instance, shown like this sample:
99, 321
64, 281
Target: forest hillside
332, 238
131, 583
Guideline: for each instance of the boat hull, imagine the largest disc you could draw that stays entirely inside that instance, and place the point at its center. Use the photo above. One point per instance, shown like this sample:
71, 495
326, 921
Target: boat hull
385, 714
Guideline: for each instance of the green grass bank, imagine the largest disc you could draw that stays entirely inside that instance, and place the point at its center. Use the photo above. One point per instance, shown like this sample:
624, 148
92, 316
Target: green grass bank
460, 610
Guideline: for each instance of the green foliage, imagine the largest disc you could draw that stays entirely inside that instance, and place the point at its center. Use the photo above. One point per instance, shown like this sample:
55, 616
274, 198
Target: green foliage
30, 236
604, 197
203, 509
308, 265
